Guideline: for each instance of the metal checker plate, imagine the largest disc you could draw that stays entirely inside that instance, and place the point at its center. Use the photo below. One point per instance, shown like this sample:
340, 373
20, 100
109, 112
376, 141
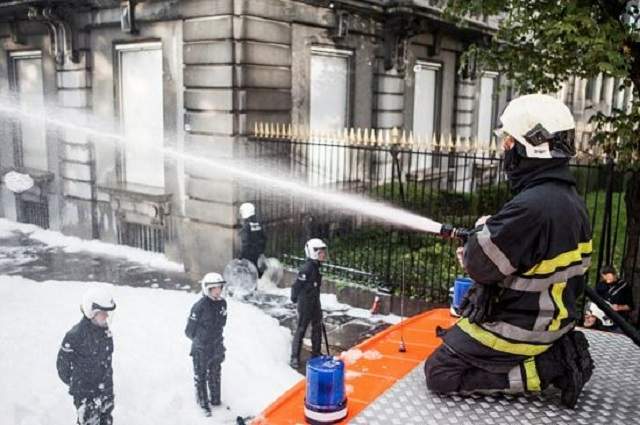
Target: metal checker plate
611, 397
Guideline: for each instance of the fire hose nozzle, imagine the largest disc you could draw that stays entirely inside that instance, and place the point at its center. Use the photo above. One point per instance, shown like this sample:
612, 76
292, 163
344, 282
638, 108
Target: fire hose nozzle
450, 232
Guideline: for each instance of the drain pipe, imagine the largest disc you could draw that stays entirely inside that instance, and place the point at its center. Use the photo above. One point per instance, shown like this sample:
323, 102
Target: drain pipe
60, 32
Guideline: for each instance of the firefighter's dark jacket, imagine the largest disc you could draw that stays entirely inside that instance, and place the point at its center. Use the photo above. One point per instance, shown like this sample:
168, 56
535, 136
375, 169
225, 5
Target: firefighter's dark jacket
205, 327
306, 288
84, 360
536, 249
252, 238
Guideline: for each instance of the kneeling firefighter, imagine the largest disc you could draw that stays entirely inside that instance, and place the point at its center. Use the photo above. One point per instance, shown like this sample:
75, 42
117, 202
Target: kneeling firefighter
528, 261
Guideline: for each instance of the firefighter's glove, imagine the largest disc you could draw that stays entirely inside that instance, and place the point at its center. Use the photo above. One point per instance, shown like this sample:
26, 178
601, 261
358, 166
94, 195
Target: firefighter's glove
477, 303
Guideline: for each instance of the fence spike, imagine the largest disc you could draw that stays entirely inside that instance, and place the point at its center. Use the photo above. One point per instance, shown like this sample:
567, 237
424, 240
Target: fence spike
395, 135
387, 137
372, 137
493, 147
255, 129
365, 136
380, 137
352, 136
403, 138
289, 131
450, 144
358, 136
411, 140
278, 131
260, 129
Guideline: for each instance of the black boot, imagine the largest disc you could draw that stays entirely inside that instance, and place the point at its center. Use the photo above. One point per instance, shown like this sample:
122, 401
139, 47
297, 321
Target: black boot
214, 381
567, 365
201, 397
294, 362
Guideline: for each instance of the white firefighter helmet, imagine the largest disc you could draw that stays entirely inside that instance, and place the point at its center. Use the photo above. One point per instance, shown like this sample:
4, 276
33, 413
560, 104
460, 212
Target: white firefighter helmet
312, 247
211, 280
96, 299
247, 210
542, 124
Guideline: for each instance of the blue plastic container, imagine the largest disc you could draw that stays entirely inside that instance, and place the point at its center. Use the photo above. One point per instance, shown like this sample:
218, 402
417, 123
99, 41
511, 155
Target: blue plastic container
460, 287
325, 400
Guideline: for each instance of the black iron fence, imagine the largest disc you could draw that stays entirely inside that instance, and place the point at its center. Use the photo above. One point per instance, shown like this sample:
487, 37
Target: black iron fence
448, 181
34, 212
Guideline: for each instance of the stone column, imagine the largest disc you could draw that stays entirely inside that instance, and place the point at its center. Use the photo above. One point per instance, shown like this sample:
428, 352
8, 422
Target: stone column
77, 167
237, 72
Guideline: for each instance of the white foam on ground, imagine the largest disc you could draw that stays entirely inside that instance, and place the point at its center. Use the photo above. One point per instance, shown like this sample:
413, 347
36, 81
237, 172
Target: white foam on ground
153, 376
73, 244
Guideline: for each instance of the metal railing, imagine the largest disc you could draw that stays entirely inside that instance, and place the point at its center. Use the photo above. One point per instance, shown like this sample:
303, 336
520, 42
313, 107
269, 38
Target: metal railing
143, 236
34, 212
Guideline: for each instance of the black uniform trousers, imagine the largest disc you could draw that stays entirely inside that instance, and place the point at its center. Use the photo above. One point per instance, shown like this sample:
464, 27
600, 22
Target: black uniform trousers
447, 372
308, 313
207, 374
94, 410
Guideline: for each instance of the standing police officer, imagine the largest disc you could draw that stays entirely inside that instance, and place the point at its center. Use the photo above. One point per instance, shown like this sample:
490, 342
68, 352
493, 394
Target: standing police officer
306, 292
85, 357
252, 238
528, 262
205, 329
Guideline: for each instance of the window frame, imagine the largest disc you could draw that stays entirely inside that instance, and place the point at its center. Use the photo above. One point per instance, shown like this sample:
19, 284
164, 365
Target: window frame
494, 104
118, 49
14, 57
335, 52
437, 101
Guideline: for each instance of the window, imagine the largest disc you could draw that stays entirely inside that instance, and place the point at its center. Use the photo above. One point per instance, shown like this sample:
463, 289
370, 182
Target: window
27, 84
329, 106
141, 113
425, 99
486, 107
618, 94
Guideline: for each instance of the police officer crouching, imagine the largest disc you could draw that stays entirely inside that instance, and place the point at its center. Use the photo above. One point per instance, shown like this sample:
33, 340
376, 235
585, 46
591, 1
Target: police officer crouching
528, 262
306, 292
204, 328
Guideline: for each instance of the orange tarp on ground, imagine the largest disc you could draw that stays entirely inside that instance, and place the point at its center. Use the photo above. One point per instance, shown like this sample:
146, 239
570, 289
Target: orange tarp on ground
371, 375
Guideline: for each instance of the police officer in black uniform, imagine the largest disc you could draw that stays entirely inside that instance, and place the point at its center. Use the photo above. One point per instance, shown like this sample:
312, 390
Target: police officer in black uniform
252, 238
306, 292
528, 262
84, 360
204, 328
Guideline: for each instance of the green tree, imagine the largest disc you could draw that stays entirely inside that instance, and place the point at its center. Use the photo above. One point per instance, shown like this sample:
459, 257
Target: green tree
540, 43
